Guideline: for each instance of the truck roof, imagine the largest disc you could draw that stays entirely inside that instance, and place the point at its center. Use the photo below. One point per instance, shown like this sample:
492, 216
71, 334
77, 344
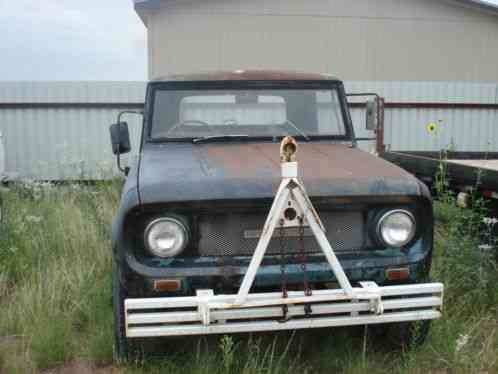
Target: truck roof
247, 75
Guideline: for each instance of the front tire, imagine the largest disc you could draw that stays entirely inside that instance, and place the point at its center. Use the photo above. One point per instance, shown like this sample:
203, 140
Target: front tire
124, 348
403, 335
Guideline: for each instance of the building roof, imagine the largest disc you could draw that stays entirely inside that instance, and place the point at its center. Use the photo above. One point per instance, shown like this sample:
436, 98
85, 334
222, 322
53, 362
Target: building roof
480, 4
247, 75
142, 5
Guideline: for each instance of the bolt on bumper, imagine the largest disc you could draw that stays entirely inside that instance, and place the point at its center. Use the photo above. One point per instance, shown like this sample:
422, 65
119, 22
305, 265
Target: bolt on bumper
207, 313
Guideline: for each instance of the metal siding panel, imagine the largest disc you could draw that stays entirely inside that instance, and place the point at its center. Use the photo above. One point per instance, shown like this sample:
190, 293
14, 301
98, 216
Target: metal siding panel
465, 129
374, 47
72, 92
439, 92
355, 39
457, 129
53, 144
60, 143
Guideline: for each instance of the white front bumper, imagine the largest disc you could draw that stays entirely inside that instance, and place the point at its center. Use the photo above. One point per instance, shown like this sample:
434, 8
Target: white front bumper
209, 314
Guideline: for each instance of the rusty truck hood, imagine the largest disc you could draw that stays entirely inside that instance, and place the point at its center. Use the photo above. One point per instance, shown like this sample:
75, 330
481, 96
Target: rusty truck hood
177, 172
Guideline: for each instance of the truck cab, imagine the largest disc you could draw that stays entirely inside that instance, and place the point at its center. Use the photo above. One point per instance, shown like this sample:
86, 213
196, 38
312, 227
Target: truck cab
198, 194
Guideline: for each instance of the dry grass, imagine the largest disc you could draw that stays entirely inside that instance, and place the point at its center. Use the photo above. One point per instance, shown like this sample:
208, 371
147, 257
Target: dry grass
55, 303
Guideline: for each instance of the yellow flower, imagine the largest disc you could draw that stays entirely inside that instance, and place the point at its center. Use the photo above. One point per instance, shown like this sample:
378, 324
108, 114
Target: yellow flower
431, 128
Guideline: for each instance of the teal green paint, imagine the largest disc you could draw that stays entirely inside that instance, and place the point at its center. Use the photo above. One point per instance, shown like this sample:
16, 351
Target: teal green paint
363, 266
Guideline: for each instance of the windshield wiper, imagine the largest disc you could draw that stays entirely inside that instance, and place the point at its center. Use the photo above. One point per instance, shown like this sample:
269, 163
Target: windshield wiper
219, 137
301, 132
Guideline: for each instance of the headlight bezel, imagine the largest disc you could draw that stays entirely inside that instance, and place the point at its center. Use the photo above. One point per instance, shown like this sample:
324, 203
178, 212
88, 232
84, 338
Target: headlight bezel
381, 220
181, 224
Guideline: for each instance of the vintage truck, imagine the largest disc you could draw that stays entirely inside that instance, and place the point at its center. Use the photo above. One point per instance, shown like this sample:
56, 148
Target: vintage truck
224, 229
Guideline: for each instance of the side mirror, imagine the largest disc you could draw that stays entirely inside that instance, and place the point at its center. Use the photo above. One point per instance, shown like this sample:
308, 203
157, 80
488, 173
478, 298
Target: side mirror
120, 138
372, 114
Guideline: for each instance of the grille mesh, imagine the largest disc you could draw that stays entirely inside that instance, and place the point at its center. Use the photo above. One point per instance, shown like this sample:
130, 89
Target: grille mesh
227, 234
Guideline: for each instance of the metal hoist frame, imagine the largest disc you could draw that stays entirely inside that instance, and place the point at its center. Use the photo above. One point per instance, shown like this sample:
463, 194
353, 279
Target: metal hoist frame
207, 313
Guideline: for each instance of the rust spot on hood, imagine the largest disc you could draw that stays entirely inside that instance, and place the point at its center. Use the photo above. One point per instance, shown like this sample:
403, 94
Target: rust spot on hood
317, 162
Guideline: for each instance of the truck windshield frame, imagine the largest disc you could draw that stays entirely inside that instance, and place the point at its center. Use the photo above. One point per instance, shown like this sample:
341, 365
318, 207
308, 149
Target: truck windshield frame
240, 92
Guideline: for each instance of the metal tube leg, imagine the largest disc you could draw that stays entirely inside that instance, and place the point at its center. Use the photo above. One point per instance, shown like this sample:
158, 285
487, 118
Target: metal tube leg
265, 238
323, 242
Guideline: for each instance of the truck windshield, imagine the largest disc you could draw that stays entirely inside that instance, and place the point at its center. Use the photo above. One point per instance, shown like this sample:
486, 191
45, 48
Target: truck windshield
191, 114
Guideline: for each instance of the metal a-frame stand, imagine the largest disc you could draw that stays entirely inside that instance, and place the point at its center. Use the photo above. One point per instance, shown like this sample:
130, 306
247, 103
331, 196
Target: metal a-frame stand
291, 193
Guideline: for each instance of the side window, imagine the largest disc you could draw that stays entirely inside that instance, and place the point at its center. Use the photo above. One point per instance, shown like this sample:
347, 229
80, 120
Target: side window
165, 112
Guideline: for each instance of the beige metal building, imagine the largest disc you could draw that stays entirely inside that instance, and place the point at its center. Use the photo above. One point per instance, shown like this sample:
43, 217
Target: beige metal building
361, 40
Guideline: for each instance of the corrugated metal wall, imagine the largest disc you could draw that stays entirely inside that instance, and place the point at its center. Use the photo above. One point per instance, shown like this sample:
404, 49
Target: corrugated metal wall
72, 92
60, 130
463, 129
60, 143
380, 40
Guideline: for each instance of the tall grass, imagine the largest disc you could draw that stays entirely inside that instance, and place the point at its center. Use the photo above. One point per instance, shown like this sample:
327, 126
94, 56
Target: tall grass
55, 260
55, 301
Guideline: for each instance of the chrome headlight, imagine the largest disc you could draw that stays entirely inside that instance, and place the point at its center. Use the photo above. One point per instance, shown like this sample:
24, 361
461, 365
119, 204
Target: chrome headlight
166, 237
396, 228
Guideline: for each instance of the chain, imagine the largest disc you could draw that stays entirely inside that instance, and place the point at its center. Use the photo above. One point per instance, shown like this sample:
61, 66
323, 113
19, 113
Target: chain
283, 274
304, 260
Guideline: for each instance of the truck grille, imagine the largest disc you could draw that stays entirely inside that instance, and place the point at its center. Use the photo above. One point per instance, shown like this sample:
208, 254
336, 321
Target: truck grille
237, 234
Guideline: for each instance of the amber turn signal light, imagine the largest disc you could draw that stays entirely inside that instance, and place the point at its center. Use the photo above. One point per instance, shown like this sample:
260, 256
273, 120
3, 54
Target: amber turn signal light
399, 274
167, 285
